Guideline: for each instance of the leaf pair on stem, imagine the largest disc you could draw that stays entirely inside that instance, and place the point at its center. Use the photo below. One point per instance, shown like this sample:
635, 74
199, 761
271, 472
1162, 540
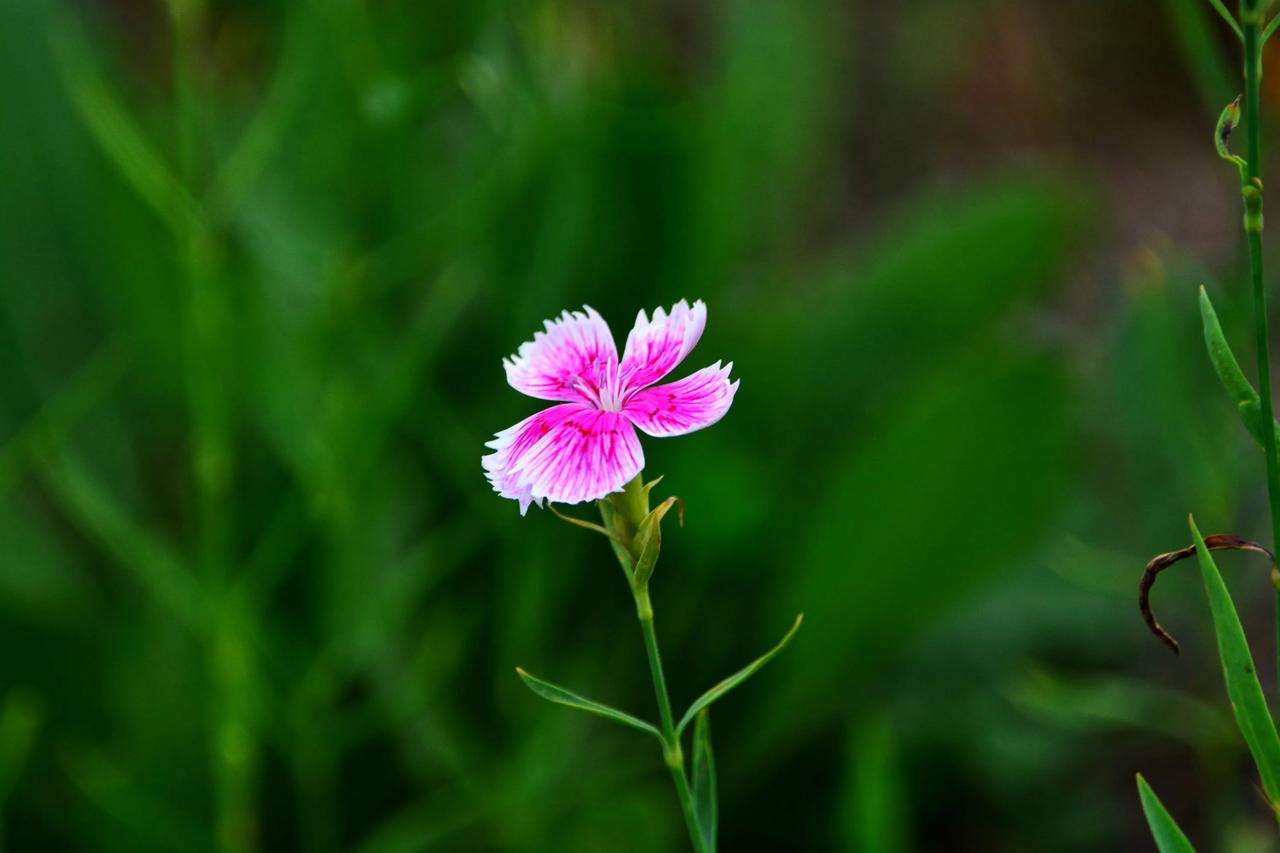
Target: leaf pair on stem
563, 696
635, 533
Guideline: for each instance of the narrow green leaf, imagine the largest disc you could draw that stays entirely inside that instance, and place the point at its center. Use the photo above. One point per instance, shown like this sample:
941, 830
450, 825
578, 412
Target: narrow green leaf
1224, 360
1228, 17
737, 678
1228, 370
585, 525
1270, 29
1252, 715
1169, 838
704, 779
559, 695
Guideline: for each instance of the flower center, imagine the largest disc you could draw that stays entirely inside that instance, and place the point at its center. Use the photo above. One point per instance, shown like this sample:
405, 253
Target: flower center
612, 388
611, 392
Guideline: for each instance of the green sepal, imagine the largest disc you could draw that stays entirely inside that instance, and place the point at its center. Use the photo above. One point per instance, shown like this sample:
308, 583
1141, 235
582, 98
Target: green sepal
609, 514
1245, 693
648, 542
1229, 372
1168, 836
648, 487
737, 678
559, 695
704, 780
623, 512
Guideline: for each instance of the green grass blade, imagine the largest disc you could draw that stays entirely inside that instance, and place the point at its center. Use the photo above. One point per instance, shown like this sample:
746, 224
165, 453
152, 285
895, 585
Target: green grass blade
1227, 16
139, 553
1228, 370
116, 133
254, 151
1252, 715
48, 429
875, 808
737, 678
1169, 838
704, 779
115, 790
20, 720
561, 696
1201, 52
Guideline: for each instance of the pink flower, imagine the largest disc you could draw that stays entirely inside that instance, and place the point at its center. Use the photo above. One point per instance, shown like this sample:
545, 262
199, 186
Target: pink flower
586, 447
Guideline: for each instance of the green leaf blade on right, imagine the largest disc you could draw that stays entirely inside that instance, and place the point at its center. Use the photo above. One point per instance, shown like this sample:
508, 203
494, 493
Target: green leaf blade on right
1247, 701
1229, 373
737, 678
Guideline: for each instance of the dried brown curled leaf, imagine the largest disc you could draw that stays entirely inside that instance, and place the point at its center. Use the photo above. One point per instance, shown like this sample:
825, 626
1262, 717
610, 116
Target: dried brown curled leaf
1216, 542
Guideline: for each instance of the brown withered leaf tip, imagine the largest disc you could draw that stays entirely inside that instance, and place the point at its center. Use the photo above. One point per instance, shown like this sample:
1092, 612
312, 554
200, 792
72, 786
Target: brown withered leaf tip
1216, 542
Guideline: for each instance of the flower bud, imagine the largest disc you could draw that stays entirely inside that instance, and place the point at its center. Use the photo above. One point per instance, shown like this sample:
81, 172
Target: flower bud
648, 542
1227, 122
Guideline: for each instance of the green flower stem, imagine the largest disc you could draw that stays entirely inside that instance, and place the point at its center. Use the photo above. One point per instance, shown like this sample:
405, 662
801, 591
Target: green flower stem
673, 755
623, 514
1251, 14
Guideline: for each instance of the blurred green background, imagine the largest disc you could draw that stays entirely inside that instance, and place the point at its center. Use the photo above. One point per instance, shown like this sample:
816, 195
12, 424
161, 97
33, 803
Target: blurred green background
260, 262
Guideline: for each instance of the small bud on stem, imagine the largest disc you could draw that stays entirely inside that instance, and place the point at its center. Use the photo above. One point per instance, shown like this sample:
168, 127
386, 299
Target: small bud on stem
1227, 122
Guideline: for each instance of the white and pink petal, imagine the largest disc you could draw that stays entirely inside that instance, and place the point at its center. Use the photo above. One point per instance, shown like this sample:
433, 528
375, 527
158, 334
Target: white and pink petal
655, 347
588, 455
566, 361
689, 404
512, 445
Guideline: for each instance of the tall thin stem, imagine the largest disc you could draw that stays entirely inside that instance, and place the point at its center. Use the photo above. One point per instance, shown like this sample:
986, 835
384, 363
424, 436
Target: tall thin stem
623, 513
1251, 24
672, 753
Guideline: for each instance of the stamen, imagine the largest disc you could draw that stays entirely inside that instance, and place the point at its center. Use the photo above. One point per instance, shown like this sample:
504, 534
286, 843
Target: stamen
612, 388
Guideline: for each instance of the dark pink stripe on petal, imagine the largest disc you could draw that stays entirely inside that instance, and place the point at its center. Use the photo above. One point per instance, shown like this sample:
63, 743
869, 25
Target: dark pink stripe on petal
584, 457
566, 361
656, 346
697, 401
512, 445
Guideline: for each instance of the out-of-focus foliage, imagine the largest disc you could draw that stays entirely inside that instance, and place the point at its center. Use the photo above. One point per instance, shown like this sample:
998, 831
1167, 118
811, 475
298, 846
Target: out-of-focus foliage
259, 263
